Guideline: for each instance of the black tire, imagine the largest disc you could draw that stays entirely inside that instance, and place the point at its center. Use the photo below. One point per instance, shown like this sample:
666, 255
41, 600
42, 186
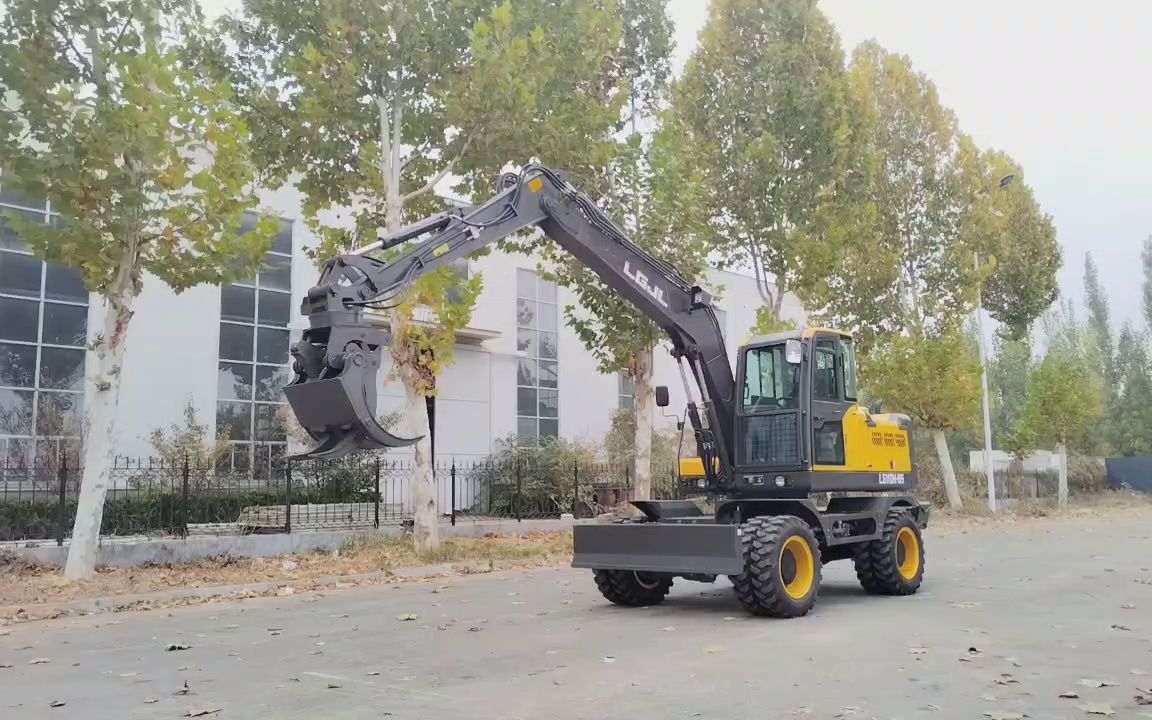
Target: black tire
780, 579
894, 564
632, 589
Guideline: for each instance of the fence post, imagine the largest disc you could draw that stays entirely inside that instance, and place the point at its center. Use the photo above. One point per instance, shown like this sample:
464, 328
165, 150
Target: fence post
575, 489
376, 508
453, 500
185, 473
519, 489
287, 496
61, 515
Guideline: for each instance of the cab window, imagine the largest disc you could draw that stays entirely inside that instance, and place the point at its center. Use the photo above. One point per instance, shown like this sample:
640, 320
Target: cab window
770, 382
848, 362
824, 375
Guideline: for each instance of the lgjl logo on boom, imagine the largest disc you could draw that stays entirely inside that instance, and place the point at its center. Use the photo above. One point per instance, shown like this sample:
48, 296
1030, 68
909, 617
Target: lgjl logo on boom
641, 279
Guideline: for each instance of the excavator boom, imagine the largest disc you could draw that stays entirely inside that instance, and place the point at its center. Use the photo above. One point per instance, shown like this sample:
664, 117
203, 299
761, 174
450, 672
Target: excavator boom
333, 392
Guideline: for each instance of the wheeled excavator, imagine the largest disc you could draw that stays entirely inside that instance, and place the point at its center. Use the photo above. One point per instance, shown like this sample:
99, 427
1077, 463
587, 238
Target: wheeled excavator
797, 471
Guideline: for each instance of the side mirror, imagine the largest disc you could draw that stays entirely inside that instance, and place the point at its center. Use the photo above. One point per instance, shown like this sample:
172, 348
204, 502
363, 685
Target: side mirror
874, 406
793, 352
661, 396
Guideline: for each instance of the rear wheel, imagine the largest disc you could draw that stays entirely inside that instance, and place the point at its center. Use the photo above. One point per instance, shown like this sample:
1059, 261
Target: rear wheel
631, 588
894, 564
781, 575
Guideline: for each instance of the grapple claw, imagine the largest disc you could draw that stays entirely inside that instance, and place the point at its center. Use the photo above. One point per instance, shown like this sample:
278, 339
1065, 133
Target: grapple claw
340, 411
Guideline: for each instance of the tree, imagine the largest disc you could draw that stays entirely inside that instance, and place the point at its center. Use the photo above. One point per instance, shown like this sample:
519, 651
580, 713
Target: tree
762, 100
147, 161
1130, 415
1099, 320
1008, 371
936, 380
1146, 259
372, 106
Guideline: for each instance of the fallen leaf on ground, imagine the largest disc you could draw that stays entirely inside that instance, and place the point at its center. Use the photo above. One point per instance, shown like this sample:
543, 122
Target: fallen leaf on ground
334, 686
1004, 715
1143, 699
406, 617
1097, 709
184, 690
56, 703
965, 605
150, 701
475, 629
1088, 682
1006, 679
1128, 606
128, 674
917, 650
372, 673
608, 659
1120, 627
1015, 662
1069, 694
178, 646
202, 711
713, 649
337, 617
669, 629
4, 666
39, 661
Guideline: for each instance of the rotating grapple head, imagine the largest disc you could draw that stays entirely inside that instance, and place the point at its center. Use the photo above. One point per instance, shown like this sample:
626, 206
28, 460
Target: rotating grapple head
333, 391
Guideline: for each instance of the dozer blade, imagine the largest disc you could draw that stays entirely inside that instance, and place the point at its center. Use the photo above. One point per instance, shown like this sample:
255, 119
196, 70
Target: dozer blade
340, 412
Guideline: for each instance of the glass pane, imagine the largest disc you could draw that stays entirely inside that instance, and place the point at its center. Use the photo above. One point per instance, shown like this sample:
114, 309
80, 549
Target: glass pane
234, 420
770, 382
525, 313
65, 324
235, 342
526, 373
19, 274
16, 412
237, 303
234, 382
848, 353
546, 317
824, 377
549, 428
526, 401
548, 345
60, 414
240, 460
17, 365
549, 403
547, 291
274, 307
9, 195
18, 319
547, 374
627, 384
64, 283
270, 422
277, 273
8, 239
272, 346
15, 454
283, 241
270, 383
526, 431
627, 401
526, 284
526, 342
61, 369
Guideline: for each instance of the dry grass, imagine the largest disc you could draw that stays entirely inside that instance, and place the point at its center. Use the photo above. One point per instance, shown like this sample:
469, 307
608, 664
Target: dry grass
22, 584
1080, 508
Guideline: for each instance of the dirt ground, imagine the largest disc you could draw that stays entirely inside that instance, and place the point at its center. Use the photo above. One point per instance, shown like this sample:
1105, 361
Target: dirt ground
25, 586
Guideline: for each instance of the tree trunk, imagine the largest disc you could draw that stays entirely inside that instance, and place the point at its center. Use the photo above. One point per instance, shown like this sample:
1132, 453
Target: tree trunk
642, 399
1062, 475
950, 486
425, 524
100, 428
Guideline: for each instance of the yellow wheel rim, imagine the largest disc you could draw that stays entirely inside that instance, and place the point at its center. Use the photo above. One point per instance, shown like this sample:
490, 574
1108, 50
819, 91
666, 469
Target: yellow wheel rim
797, 567
907, 553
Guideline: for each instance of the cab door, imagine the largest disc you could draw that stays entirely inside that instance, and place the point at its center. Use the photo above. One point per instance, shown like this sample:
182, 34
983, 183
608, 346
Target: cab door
829, 401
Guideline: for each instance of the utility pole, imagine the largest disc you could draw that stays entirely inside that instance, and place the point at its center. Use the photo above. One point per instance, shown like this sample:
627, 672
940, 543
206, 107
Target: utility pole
984, 397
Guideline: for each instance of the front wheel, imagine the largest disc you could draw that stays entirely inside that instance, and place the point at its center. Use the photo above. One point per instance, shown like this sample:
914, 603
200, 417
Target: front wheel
894, 564
781, 575
631, 588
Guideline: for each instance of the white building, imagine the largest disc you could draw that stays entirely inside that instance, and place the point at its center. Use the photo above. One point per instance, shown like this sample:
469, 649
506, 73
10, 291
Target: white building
517, 368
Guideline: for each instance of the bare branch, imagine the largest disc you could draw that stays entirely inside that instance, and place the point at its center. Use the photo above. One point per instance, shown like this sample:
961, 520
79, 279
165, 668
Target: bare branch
444, 171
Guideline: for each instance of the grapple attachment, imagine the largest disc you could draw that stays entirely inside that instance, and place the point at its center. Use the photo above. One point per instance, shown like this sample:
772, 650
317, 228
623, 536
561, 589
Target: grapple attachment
334, 399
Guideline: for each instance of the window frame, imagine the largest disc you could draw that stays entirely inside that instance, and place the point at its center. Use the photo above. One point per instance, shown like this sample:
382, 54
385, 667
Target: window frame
534, 349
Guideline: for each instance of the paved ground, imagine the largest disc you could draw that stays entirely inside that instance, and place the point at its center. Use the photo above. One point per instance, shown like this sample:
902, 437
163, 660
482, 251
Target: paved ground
1042, 605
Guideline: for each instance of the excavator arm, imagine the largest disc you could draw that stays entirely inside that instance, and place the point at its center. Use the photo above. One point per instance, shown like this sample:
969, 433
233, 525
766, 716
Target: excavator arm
333, 393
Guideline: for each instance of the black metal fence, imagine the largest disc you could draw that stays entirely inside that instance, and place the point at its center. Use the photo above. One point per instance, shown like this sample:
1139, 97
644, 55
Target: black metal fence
151, 497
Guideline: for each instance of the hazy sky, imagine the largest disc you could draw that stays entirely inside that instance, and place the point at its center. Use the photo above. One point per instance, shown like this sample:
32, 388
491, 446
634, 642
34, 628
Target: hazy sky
1061, 86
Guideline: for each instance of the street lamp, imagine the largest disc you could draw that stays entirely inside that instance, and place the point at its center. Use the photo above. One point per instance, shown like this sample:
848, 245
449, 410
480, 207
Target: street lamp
1004, 183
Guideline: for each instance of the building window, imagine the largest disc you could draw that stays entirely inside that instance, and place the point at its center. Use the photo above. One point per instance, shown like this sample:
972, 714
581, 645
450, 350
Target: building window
537, 325
254, 360
626, 390
43, 334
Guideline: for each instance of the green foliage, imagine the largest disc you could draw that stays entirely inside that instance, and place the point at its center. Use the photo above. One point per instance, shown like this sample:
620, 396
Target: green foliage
1008, 368
620, 443
1146, 259
935, 380
767, 323
1130, 411
144, 156
1099, 321
1065, 398
188, 442
762, 101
